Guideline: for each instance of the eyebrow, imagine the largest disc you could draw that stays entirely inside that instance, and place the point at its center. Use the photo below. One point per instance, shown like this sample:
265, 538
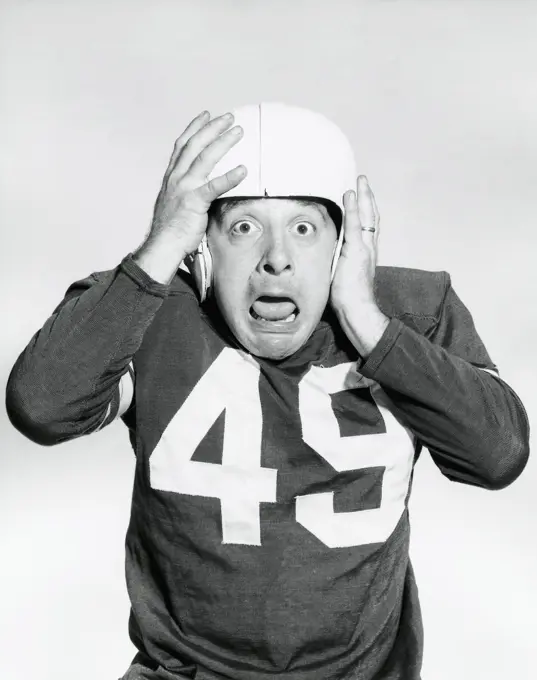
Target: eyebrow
228, 205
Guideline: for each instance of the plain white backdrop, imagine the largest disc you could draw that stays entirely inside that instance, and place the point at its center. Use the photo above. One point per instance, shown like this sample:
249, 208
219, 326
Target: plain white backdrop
439, 100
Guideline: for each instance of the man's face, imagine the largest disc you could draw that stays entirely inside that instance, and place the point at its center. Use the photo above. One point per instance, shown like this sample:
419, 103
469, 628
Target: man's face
271, 271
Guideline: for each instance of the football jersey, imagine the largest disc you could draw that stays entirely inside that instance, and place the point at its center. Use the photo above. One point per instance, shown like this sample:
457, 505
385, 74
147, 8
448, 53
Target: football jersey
269, 529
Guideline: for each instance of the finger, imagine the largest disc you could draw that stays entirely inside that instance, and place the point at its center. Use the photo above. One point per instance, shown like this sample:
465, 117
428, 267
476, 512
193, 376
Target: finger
366, 212
375, 208
351, 221
215, 151
213, 189
375, 212
197, 143
194, 126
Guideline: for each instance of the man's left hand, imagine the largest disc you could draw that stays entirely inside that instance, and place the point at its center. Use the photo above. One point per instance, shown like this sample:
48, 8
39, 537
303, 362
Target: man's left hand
352, 294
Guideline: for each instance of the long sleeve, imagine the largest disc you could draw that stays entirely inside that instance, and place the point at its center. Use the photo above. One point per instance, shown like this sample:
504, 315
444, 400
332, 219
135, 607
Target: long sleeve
66, 382
447, 391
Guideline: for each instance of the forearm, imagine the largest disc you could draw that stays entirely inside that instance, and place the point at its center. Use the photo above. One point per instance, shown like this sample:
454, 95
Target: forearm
473, 423
63, 381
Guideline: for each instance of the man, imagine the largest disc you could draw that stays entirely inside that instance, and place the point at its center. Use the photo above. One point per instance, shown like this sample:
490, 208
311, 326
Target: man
277, 401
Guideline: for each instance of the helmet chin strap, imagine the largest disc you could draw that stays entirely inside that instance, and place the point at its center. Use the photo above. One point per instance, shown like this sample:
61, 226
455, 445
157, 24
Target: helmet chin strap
200, 264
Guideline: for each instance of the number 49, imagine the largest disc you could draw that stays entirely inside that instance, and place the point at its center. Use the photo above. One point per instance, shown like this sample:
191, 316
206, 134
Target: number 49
231, 383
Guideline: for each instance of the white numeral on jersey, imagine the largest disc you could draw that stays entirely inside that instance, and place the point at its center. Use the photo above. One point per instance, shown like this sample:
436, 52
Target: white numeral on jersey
241, 484
393, 450
231, 383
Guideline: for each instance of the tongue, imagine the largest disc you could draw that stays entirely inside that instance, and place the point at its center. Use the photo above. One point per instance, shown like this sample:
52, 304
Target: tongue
275, 310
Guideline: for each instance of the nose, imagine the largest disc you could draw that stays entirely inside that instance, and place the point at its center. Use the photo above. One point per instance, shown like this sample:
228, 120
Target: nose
276, 259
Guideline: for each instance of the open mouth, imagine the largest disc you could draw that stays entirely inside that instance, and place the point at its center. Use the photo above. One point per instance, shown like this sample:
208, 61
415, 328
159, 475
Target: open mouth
274, 310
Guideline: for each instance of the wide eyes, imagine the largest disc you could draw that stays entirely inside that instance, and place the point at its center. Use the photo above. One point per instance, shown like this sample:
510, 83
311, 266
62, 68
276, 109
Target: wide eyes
303, 228
244, 228
247, 227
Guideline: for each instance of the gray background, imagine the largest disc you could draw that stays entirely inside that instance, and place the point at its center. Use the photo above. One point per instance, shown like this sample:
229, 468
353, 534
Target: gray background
439, 100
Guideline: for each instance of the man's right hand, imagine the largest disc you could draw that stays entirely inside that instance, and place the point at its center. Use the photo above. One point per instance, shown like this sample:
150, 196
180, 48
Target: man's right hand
180, 216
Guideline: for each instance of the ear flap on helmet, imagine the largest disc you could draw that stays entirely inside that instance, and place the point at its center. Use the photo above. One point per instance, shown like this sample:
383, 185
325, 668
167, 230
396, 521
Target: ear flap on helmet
200, 265
337, 253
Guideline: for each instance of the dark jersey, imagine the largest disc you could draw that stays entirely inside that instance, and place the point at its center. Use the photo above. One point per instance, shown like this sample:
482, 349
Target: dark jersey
269, 529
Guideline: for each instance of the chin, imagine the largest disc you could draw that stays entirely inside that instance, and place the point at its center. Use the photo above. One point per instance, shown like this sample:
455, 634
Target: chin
275, 346
274, 354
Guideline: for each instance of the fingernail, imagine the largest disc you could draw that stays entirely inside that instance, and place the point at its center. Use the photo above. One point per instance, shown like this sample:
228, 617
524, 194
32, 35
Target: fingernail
227, 116
236, 130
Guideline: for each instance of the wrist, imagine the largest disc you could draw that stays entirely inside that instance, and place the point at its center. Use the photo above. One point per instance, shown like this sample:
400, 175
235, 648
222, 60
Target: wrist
160, 256
364, 326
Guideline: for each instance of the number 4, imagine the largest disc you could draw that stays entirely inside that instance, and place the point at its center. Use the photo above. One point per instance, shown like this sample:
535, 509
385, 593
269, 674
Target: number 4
230, 383
241, 484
